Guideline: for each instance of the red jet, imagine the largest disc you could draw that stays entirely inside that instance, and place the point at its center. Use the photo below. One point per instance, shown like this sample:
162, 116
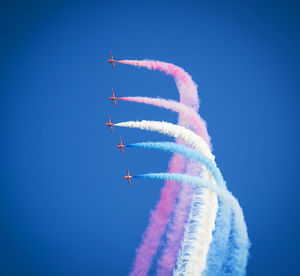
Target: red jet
112, 61
113, 98
128, 177
110, 124
121, 146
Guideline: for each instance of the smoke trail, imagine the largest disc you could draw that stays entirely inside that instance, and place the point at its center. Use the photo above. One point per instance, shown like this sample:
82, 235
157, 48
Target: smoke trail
186, 135
239, 231
195, 120
219, 247
191, 259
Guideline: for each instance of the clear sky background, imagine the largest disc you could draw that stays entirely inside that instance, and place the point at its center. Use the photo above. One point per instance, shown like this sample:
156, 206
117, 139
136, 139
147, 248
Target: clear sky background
64, 208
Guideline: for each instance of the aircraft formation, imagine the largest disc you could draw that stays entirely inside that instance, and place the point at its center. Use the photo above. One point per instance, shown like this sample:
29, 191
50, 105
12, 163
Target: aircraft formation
223, 243
110, 124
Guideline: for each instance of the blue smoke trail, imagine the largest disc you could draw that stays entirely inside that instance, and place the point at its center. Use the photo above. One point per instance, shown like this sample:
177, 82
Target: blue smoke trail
238, 250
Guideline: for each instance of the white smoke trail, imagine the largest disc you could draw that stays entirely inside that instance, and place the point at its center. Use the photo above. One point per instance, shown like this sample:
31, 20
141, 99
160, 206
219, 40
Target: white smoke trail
191, 258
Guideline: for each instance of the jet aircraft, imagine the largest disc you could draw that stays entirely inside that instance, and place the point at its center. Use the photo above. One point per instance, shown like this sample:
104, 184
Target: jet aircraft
128, 177
121, 146
112, 61
110, 124
113, 98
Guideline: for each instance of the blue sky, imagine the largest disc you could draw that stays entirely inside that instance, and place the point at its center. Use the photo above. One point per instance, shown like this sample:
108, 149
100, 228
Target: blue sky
64, 208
